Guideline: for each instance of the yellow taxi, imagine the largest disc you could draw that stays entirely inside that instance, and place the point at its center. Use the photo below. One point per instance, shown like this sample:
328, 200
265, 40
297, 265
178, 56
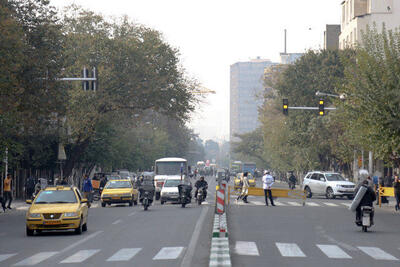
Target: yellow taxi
119, 191
250, 179
57, 208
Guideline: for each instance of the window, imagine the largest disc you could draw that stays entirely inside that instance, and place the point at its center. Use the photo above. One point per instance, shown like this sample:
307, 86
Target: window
321, 177
315, 176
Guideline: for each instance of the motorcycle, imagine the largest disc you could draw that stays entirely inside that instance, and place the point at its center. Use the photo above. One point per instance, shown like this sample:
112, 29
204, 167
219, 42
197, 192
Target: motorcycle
366, 218
200, 195
184, 195
146, 200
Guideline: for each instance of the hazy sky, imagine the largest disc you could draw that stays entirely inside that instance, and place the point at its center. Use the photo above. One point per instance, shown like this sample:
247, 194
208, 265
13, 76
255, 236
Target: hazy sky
213, 34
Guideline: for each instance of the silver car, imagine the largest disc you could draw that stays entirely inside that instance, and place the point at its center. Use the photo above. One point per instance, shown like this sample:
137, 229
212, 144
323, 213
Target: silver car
329, 184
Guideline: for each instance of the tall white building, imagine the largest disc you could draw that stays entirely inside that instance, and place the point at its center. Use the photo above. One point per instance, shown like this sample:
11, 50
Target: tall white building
246, 88
357, 14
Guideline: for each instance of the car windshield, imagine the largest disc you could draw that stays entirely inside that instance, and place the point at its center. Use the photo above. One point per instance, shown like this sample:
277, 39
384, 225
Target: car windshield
118, 184
170, 168
172, 183
334, 177
56, 196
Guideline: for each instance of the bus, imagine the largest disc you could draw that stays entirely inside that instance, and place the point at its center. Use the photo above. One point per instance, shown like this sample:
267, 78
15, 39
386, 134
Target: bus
168, 168
249, 167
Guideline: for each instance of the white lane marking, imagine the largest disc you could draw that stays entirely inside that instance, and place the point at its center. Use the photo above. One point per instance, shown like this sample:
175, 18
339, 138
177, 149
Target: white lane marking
258, 203
3, 257
131, 214
330, 204
168, 253
246, 248
80, 256
313, 204
346, 204
117, 221
80, 242
277, 203
290, 250
124, 254
377, 253
37, 258
333, 252
187, 259
294, 203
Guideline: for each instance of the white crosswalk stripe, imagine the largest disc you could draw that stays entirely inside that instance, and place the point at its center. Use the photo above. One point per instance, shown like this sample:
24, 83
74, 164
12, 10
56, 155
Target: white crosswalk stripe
277, 203
124, 254
3, 257
290, 250
377, 253
168, 253
258, 203
330, 204
80, 256
37, 258
333, 252
346, 204
313, 204
294, 203
246, 248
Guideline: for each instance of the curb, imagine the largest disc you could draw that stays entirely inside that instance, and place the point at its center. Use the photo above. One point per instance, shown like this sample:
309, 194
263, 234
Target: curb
219, 253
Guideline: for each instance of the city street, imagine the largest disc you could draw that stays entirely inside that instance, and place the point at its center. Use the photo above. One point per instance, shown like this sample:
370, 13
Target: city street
322, 233
165, 235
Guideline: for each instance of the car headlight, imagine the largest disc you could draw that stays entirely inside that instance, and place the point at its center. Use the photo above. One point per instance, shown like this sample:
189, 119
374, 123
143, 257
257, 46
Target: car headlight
71, 214
34, 215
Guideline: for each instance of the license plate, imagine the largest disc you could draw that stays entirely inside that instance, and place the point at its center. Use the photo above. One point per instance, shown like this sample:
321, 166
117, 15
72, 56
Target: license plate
51, 222
116, 198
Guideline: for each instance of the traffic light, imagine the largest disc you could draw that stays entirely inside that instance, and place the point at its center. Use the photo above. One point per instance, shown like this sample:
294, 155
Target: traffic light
85, 74
285, 107
321, 107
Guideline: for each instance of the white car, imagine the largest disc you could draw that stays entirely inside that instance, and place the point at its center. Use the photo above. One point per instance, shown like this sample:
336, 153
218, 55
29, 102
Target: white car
329, 184
169, 191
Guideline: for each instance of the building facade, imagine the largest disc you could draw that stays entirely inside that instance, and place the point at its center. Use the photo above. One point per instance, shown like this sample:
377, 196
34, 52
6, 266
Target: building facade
246, 89
357, 14
331, 37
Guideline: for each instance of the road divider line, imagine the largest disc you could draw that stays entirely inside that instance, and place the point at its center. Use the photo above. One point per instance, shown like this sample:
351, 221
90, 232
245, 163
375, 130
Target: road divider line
187, 259
117, 221
3, 257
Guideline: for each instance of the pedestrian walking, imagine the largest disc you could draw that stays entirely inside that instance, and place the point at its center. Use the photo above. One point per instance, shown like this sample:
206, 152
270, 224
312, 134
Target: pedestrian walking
396, 186
30, 187
8, 191
87, 189
268, 181
245, 188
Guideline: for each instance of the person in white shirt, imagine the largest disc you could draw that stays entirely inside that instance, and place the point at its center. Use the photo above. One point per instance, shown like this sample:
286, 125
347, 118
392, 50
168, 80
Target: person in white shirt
268, 181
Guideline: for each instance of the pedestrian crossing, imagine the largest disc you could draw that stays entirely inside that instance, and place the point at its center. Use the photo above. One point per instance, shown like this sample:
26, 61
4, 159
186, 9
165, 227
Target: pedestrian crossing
291, 203
293, 250
82, 256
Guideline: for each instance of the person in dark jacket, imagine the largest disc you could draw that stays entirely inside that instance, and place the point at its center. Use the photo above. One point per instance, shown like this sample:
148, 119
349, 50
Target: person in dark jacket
201, 183
396, 186
367, 200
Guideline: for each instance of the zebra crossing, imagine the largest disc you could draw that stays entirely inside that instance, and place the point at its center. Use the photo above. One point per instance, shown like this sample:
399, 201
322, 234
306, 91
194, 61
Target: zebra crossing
292, 203
122, 255
293, 250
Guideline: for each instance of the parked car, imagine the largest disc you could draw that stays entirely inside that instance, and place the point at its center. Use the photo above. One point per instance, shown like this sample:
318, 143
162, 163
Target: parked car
329, 184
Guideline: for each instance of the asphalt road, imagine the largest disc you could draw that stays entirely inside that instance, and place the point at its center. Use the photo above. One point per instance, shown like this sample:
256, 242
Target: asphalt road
322, 233
165, 235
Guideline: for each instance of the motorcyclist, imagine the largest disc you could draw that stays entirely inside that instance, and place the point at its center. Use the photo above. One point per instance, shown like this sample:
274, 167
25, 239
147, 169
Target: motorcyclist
367, 200
201, 183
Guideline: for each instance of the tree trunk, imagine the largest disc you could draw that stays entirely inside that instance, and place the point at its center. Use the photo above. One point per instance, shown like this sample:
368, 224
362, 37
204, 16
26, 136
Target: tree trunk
75, 155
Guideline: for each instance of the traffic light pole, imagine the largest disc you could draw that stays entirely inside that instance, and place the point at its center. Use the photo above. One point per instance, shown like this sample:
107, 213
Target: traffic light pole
311, 108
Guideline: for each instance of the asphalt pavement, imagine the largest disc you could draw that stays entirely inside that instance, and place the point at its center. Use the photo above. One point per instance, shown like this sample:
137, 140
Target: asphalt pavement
321, 233
165, 235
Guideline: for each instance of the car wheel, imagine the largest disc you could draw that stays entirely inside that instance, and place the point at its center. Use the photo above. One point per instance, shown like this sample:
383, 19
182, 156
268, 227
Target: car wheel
78, 230
329, 193
109, 203
135, 202
29, 232
308, 192
103, 204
